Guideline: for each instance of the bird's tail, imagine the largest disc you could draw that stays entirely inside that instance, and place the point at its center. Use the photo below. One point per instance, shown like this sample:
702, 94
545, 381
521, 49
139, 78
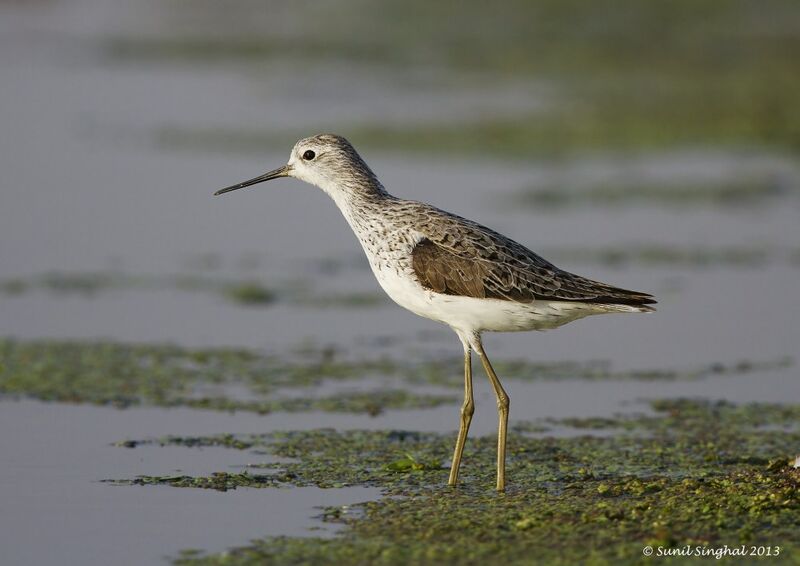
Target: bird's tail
614, 307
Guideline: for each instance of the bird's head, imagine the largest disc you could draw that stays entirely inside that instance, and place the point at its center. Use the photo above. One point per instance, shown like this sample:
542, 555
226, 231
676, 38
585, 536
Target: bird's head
327, 161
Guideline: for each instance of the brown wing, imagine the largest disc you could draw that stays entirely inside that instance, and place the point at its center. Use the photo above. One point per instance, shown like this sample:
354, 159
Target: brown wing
444, 272
471, 260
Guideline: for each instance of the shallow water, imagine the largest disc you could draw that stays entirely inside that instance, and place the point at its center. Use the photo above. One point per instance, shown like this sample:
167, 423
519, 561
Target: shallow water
56, 510
87, 187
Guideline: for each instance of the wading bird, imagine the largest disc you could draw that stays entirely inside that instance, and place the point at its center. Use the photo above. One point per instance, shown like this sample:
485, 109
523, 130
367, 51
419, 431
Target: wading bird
450, 269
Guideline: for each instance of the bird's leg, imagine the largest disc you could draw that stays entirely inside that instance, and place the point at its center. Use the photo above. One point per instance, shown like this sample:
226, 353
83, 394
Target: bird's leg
467, 409
503, 403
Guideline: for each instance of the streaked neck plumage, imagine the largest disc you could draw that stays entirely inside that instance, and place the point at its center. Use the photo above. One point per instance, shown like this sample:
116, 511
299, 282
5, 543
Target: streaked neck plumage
355, 190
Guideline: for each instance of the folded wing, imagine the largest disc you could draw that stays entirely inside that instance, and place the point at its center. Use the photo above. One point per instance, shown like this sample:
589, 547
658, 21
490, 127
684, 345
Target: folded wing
473, 261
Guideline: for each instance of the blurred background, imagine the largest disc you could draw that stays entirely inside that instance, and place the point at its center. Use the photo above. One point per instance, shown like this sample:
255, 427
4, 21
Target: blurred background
653, 145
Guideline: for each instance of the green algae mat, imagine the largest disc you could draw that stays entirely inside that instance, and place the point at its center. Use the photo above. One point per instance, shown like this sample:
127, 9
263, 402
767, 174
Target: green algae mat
124, 375
712, 476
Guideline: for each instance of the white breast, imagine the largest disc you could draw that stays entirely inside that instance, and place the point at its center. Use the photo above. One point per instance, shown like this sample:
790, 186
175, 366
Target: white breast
390, 259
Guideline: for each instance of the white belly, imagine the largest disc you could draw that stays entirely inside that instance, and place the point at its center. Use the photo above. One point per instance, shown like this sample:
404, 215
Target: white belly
468, 314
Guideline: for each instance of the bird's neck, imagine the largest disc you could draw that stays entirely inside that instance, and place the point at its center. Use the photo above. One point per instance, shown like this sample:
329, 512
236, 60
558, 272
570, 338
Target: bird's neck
357, 197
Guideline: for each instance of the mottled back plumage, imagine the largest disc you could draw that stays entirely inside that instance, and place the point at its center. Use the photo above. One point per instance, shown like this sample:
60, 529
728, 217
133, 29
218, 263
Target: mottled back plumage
460, 257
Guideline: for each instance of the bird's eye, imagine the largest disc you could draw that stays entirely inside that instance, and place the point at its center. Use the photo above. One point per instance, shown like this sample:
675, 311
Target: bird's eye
308, 155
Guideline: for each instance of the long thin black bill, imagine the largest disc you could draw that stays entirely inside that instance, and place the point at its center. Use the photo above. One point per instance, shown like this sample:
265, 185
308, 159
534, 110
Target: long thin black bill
276, 174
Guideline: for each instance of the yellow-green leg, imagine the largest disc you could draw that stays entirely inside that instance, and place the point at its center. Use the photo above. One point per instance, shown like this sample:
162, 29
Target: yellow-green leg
467, 409
503, 403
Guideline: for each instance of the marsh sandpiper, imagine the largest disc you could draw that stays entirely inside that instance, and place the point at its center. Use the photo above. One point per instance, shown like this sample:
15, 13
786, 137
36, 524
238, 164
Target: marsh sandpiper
450, 269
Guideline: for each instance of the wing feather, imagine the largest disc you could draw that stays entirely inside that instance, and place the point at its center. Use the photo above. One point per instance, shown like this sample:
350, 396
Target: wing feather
459, 257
